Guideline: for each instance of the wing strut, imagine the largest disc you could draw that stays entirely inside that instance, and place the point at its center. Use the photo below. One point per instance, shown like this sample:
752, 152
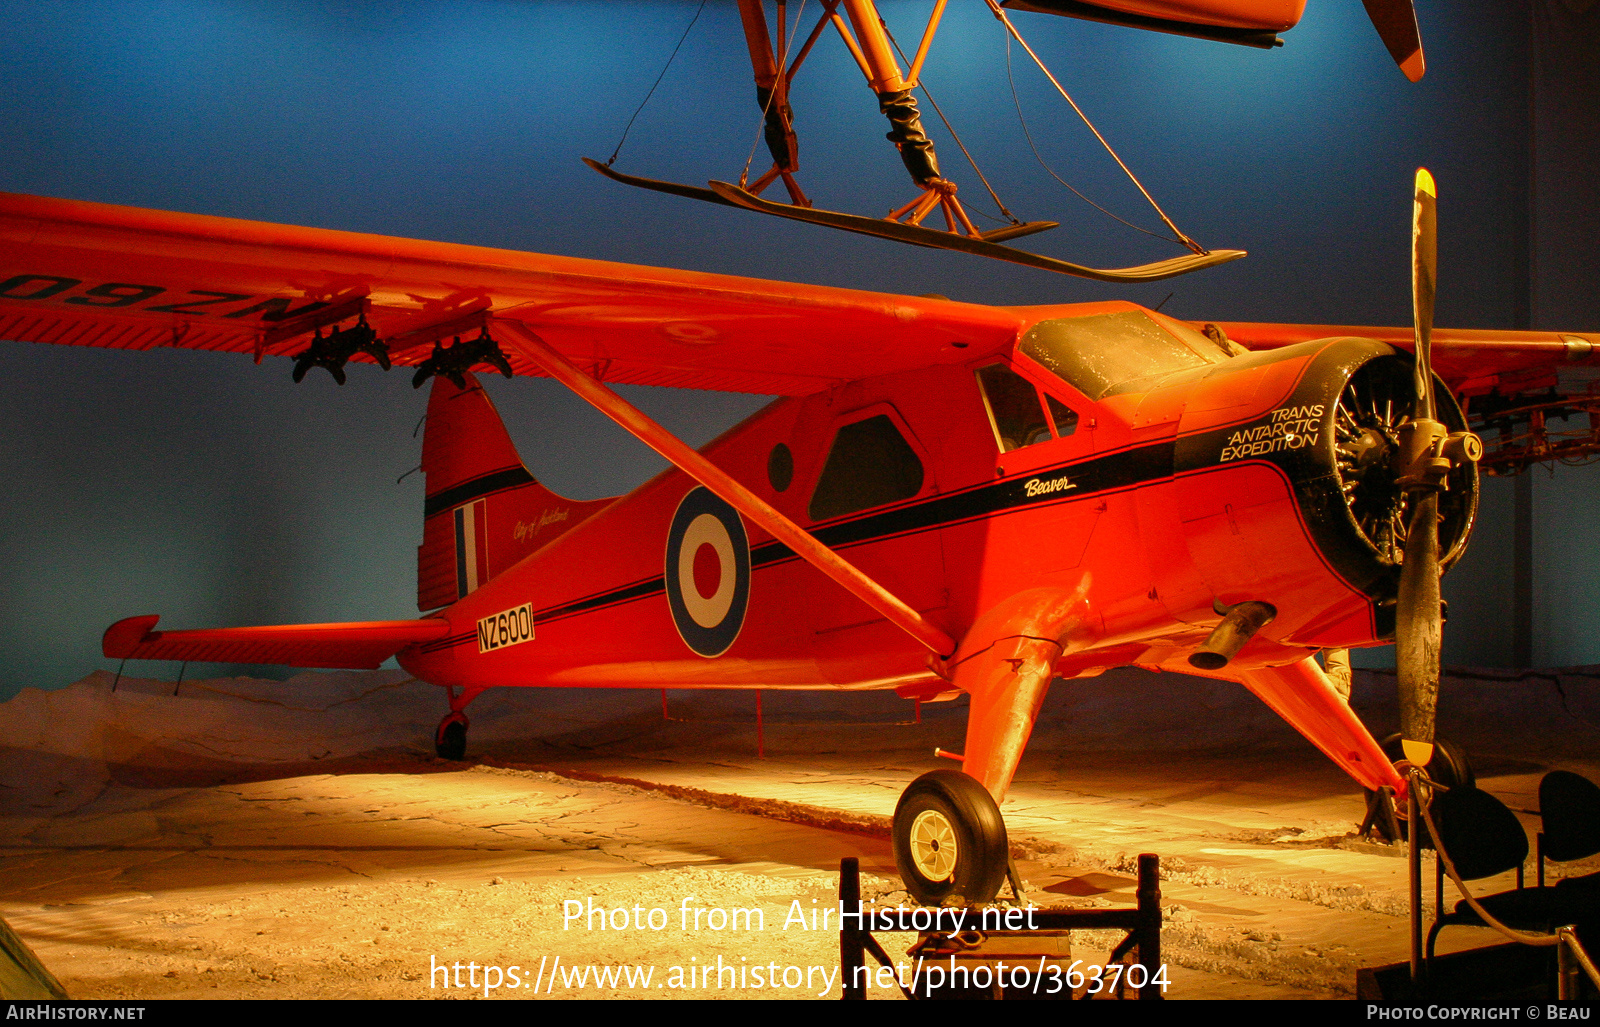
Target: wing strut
520, 337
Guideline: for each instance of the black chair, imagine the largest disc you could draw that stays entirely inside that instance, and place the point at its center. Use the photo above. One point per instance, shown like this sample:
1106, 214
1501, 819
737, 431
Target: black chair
1484, 838
1569, 810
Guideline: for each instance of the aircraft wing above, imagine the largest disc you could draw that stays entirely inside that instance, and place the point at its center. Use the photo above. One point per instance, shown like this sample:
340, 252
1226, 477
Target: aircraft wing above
1470, 360
93, 274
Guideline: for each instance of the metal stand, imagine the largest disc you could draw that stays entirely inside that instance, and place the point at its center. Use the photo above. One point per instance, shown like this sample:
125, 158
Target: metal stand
1566, 971
852, 948
1142, 922
1380, 816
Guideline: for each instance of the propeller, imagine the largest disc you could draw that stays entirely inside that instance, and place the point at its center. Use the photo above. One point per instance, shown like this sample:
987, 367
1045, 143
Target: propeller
1417, 619
1426, 455
1396, 22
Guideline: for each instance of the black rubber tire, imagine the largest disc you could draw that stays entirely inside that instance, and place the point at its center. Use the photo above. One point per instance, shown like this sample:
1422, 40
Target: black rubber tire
960, 810
451, 743
1449, 767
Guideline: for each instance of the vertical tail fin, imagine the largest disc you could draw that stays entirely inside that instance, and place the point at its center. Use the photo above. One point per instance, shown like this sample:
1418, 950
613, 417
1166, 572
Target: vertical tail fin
483, 511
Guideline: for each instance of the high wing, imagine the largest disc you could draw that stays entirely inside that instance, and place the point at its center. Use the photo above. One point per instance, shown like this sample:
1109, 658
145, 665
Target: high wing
92, 274
1533, 397
1470, 360
1246, 22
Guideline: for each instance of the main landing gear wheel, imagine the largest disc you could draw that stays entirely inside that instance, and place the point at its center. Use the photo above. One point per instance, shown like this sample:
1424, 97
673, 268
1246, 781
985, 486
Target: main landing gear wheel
450, 741
1449, 767
949, 839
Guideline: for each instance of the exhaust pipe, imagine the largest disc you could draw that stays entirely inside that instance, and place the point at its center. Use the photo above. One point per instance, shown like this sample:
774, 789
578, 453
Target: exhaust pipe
1239, 624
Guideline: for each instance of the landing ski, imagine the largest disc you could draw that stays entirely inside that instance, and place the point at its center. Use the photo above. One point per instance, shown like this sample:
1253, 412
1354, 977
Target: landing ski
675, 188
932, 237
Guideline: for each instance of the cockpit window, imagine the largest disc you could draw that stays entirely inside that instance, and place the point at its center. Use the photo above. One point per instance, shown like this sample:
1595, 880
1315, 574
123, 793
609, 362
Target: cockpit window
1065, 417
1014, 408
1106, 354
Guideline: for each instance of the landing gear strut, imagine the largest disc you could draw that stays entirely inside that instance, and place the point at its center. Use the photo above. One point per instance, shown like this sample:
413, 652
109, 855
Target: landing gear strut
949, 839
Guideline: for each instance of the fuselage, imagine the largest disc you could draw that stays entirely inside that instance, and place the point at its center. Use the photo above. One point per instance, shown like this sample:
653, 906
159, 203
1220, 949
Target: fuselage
1103, 440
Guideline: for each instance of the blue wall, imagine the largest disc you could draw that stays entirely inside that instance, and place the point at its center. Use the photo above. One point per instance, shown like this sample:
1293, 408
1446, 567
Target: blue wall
216, 492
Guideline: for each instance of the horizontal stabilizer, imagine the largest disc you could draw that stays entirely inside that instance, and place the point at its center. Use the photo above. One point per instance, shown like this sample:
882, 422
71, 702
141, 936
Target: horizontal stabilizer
359, 646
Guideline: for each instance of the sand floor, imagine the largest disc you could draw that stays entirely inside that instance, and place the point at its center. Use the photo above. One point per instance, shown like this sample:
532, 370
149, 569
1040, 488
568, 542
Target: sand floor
231, 855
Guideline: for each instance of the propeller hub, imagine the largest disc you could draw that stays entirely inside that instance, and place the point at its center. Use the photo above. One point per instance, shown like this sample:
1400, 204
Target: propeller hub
1419, 464
1428, 452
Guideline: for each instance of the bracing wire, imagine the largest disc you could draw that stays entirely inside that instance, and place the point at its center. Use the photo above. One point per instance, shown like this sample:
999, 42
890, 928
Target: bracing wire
1011, 30
953, 135
1017, 101
626, 129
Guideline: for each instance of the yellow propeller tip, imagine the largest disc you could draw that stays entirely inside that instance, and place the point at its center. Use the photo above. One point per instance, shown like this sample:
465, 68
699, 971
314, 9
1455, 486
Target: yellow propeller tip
1418, 754
1425, 182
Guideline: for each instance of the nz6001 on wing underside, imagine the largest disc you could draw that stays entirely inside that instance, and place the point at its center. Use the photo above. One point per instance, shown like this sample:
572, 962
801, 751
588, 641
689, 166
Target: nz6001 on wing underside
945, 498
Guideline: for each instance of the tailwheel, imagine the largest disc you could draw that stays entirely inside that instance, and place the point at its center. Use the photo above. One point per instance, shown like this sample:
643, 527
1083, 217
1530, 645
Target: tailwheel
450, 740
949, 840
1448, 767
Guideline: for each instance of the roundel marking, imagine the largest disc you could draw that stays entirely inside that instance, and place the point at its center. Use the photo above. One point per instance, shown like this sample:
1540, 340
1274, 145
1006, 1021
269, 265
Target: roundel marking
707, 572
707, 536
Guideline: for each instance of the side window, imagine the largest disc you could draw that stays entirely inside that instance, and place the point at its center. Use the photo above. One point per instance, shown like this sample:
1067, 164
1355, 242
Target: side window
1065, 417
1015, 412
870, 464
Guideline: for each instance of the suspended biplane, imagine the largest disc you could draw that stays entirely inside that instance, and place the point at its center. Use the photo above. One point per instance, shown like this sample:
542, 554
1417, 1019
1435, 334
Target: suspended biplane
945, 499
776, 60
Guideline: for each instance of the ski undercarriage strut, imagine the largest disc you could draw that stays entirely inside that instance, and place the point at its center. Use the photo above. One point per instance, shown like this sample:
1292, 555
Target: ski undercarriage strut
869, 42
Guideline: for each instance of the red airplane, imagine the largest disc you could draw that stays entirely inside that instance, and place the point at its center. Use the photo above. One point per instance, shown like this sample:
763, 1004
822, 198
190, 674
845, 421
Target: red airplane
945, 498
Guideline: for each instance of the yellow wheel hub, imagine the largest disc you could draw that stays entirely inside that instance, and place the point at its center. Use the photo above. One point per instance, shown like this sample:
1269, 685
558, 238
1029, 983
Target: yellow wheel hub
933, 845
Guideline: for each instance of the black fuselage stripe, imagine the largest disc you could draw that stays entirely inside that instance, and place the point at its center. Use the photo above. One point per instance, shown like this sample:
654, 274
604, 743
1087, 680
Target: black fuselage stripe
1107, 473
467, 491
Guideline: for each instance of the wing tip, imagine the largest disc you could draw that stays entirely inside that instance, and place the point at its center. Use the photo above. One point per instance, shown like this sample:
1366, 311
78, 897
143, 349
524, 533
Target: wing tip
124, 638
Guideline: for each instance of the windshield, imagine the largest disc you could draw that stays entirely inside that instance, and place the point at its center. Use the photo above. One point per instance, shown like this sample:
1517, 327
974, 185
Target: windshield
1105, 354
